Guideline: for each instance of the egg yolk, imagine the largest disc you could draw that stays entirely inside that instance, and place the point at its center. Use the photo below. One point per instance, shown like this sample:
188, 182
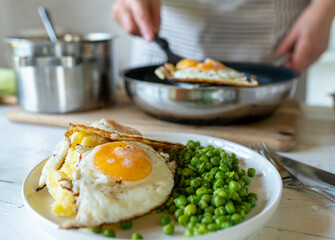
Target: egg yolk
123, 161
208, 64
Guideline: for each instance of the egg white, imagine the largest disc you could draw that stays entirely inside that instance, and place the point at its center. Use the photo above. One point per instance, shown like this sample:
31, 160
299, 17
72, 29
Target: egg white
103, 200
214, 75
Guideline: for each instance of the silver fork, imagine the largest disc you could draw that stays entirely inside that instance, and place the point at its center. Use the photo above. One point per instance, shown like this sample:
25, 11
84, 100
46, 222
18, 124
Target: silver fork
289, 180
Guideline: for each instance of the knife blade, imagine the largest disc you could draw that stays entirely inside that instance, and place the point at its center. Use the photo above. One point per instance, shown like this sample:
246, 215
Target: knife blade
307, 170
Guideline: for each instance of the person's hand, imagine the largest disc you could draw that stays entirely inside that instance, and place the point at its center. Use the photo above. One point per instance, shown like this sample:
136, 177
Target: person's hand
309, 35
138, 17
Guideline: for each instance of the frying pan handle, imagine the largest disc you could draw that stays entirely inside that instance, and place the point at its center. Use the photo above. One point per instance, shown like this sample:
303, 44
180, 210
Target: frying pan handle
164, 45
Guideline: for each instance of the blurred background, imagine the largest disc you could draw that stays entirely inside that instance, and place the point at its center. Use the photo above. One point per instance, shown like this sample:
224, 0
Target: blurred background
19, 17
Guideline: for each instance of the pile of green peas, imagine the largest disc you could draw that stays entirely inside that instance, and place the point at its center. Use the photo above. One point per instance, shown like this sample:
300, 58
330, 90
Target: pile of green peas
211, 191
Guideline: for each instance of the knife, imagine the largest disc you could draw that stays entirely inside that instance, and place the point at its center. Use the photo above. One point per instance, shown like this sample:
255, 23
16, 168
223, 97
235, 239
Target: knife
307, 170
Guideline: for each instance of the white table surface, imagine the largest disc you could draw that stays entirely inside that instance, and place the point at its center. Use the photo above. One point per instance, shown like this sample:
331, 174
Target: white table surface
301, 215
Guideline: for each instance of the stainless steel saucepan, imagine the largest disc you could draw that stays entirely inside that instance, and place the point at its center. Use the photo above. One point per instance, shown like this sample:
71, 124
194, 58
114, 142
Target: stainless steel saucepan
188, 103
74, 73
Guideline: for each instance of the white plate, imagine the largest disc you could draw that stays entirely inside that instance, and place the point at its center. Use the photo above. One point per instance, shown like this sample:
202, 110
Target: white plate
267, 184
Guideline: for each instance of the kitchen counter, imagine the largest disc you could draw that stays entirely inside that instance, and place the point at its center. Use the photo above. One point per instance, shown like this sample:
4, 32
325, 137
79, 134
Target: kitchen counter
301, 215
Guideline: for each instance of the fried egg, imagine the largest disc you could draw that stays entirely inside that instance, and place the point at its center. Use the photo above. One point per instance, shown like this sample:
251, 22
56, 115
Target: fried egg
61, 170
119, 181
209, 71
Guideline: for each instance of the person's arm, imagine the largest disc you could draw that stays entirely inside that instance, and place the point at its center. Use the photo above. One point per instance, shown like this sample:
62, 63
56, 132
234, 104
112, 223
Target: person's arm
138, 17
309, 35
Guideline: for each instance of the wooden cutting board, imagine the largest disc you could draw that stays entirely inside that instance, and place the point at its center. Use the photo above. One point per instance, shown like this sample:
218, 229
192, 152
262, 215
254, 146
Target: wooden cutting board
278, 131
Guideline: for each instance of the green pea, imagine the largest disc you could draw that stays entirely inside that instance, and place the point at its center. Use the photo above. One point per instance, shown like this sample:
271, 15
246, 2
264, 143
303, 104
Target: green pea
207, 214
203, 204
251, 172
234, 186
136, 236
217, 152
195, 161
210, 153
208, 177
206, 220
126, 225
219, 182
221, 193
208, 166
170, 202
194, 219
206, 197
183, 220
203, 150
168, 229
219, 201
165, 219
220, 219
109, 233
220, 211
215, 161
223, 167
206, 184
201, 191
236, 176
229, 175
193, 199
190, 210
178, 213
194, 170
200, 229
236, 218
191, 224
195, 183
243, 192
211, 227
247, 205
210, 147
97, 229
253, 195
172, 209
245, 179
252, 201
187, 182
230, 207
220, 175
214, 170
241, 172
235, 197
190, 144
188, 232
189, 190
210, 210
187, 156
227, 163
203, 159
180, 201
223, 155
186, 172
225, 225
201, 168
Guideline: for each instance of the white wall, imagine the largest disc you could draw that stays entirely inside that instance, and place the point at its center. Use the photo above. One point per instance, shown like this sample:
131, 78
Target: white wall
21, 16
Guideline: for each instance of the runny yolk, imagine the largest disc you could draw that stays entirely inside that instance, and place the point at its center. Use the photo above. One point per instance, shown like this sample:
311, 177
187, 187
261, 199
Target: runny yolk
208, 64
123, 161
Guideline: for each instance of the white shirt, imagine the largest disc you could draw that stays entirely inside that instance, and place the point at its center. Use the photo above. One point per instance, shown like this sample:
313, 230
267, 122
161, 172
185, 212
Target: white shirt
226, 30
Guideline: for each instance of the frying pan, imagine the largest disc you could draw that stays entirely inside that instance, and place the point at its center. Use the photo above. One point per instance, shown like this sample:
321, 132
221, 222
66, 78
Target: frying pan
209, 105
